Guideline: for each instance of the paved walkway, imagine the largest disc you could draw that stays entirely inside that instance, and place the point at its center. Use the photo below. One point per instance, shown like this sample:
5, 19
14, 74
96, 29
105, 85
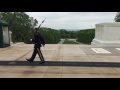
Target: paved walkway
74, 40
61, 42
62, 61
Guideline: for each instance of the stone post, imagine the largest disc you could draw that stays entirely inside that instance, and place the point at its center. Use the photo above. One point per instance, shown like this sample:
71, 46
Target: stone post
10, 37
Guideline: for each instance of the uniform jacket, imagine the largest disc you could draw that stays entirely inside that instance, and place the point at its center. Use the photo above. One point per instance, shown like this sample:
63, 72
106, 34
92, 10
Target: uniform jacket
38, 40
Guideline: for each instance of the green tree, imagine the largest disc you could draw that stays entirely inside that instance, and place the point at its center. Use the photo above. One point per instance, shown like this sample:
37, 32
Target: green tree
20, 24
117, 17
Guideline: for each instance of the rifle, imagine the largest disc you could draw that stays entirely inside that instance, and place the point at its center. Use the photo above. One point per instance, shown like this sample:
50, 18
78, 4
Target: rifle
41, 24
38, 29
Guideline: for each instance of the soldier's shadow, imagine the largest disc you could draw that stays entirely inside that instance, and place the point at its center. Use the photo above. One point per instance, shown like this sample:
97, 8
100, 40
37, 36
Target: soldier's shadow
60, 63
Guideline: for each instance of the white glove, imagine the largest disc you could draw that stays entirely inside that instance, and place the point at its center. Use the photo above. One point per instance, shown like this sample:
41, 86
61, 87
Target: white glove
31, 40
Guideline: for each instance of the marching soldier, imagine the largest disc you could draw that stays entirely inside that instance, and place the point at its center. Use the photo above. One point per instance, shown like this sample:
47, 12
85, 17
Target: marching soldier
38, 42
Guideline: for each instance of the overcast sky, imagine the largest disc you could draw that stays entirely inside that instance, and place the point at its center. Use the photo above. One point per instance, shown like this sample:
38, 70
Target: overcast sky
72, 20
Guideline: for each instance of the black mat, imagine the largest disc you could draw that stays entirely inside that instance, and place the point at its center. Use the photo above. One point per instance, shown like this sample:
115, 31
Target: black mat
60, 63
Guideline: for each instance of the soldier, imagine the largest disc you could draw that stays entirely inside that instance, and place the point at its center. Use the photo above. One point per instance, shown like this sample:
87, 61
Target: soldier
38, 40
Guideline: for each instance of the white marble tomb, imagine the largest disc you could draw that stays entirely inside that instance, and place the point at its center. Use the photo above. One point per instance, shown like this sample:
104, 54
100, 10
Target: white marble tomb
107, 35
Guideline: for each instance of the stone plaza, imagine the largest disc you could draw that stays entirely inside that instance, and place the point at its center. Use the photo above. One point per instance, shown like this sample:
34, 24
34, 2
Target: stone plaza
62, 61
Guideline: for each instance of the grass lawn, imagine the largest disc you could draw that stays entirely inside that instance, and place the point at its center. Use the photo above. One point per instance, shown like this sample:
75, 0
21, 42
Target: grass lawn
69, 42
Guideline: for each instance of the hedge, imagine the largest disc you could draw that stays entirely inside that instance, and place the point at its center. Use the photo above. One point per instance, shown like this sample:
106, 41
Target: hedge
86, 36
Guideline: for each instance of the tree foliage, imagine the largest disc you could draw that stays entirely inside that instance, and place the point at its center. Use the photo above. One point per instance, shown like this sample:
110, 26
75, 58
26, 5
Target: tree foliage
51, 36
67, 34
86, 36
117, 17
20, 24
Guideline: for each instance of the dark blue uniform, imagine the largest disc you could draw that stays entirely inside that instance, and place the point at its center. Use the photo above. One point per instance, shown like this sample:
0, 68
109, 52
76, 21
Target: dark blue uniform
38, 42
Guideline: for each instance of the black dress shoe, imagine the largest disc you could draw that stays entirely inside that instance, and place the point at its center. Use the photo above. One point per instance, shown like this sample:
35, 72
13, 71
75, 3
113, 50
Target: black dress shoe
29, 60
42, 62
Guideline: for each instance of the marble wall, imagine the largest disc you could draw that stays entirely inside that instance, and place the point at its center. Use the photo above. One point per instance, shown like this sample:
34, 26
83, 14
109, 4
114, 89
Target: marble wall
107, 35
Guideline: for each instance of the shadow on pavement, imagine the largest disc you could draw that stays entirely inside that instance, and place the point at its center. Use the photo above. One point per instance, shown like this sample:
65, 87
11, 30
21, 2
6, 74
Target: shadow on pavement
60, 63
